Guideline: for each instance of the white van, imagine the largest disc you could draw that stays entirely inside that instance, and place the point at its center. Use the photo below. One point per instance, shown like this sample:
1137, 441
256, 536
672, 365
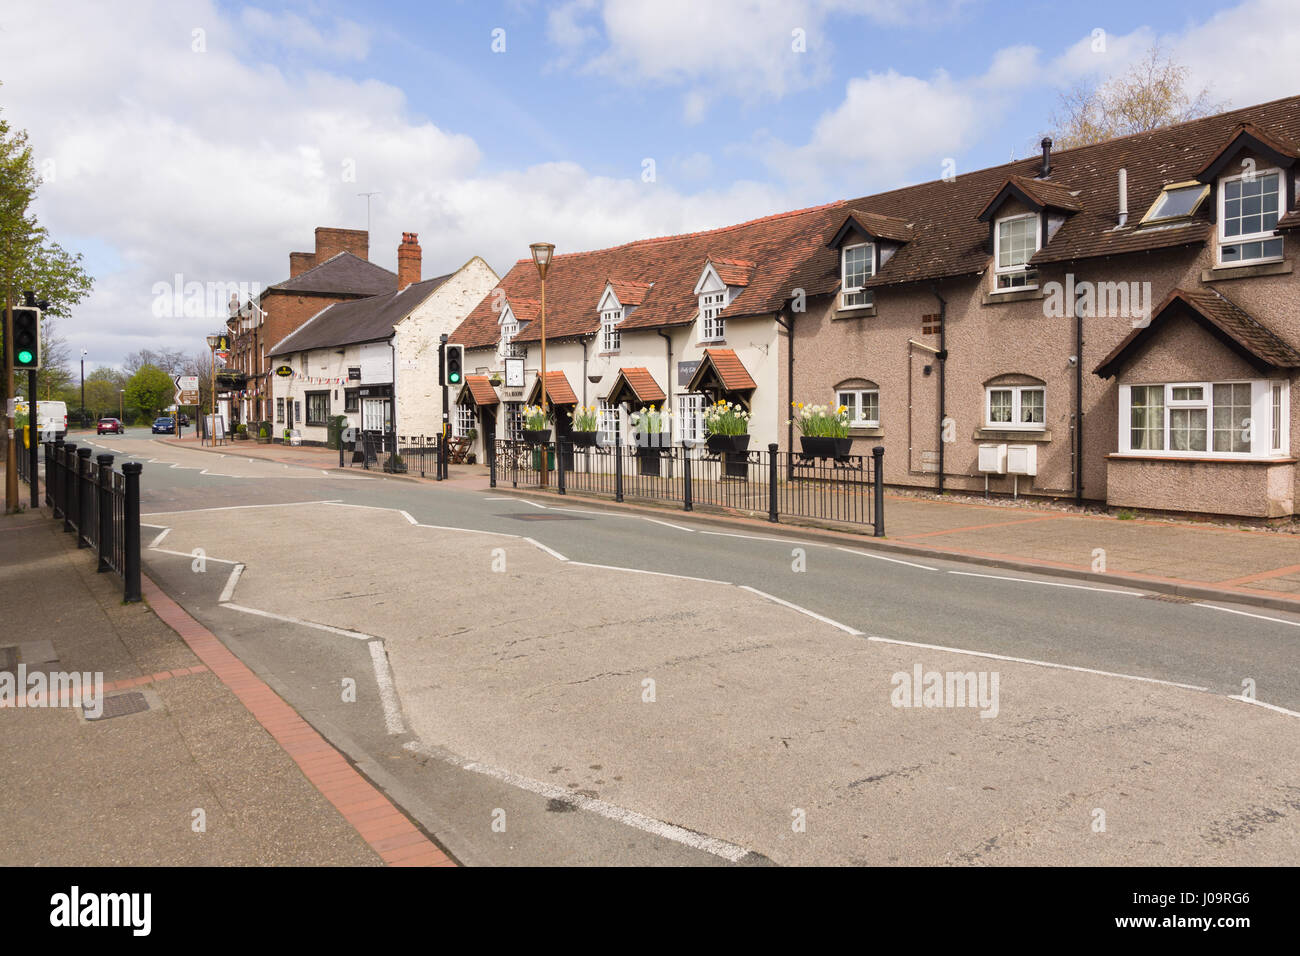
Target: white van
52, 416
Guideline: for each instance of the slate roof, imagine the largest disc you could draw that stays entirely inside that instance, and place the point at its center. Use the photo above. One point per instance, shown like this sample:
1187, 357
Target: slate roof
1230, 322
937, 224
341, 274
359, 320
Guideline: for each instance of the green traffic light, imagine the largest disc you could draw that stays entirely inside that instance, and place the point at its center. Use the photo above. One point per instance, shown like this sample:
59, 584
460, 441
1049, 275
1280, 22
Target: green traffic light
25, 357
455, 377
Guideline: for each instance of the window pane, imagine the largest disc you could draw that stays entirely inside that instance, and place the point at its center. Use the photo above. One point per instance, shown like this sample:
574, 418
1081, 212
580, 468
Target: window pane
1016, 241
1232, 417
1147, 418
871, 407
1000, 405
1187, 429
1031, 406
1277, 418
1175, 203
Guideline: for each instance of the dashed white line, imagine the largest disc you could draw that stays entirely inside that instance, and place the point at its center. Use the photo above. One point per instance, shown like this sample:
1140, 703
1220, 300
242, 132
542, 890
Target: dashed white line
191, 554
158, 540
1028, 660
228, 591
802, 610
387, 692
1262, 617
1049, 584
639, 821
881, 557
1260, 703
357, 635
662, 574
551, 551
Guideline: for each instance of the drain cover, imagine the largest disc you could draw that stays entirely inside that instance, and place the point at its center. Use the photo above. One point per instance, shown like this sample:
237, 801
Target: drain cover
543, 517
119, 705
1168, 598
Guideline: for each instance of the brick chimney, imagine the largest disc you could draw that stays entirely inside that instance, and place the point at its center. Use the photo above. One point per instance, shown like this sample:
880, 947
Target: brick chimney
408, 260
330, 242
300, 262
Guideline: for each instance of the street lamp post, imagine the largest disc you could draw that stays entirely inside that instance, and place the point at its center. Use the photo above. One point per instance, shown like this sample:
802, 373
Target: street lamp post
542, 253
210, 426
83, 388
121, 404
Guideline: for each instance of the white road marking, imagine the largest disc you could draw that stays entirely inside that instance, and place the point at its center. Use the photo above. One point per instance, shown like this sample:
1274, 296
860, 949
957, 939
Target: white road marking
553, 553
283, 504
357, 635
229, 590
387, 692
667, 524
802, 610
639, 821
191, 554
1027, 660
407, 516
1050, 584
881, 557
158, 540
662, 574
1260, 703
759, 537
443, 527
1262, 617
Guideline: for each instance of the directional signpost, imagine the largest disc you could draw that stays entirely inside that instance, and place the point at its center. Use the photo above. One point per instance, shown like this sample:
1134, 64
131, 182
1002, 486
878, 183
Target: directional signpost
187, 393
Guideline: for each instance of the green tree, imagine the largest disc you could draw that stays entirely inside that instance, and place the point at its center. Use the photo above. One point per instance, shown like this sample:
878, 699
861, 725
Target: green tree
150, 389
1153, 94
102, 400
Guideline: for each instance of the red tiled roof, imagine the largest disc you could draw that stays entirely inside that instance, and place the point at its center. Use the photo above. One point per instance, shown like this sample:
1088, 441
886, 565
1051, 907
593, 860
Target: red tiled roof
732, 271
1232, 324
730, 370
673, 264
558, 390
480, 390
630, 293
642, 384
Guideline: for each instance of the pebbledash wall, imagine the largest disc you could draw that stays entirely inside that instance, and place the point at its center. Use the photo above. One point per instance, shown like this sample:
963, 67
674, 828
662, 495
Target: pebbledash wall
1009, 337
406, 362
755, 341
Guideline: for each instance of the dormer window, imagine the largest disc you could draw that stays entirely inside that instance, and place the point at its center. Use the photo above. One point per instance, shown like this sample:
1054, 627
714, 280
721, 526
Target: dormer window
509, 329
1249, 208
1177, 201
857, 265
713, 326
610, 337
1017, 240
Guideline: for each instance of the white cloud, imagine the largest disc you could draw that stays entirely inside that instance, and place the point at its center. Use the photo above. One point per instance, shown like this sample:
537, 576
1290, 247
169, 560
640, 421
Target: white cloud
345, 39
213, 166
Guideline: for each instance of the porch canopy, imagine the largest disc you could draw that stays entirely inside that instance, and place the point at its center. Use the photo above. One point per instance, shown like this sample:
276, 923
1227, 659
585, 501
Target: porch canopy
635, 386
558, 390
478, 392
722, 375
1235, 328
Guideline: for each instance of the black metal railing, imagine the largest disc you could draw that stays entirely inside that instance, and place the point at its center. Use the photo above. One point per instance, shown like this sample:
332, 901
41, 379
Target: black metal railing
848, 489
100, 506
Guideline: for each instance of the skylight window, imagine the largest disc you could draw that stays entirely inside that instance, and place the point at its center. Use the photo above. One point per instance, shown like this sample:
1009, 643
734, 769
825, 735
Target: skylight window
1178, 201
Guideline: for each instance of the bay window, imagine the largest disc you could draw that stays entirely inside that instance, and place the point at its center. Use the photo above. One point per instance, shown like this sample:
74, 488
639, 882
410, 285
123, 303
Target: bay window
1016, 241
1015, 406
857, 265
1249, 208
1199, 419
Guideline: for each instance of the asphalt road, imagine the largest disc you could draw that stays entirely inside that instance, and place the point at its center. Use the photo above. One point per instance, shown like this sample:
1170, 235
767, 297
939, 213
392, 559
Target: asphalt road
929, 602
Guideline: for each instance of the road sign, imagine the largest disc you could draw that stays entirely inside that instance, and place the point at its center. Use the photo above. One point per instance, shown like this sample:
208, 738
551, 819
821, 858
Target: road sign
187, 389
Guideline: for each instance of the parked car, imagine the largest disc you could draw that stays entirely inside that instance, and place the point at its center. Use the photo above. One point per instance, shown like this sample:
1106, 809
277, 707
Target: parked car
164, 426
109, 425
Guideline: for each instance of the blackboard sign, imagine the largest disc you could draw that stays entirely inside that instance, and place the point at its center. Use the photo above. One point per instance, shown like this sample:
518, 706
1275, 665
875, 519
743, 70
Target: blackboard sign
686, 371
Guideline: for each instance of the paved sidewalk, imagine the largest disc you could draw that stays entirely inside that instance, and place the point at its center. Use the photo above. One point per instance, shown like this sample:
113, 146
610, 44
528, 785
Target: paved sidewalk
1255, 565
215, 746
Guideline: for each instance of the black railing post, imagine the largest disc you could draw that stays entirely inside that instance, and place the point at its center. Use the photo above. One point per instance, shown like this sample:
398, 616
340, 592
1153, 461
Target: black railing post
559, 467
490, 447
69, 485
688, 503
131, 532
618, 466
55, 475
83, 495
105, 512
438, 463
773, 460
878, 488
49, 470
514, 463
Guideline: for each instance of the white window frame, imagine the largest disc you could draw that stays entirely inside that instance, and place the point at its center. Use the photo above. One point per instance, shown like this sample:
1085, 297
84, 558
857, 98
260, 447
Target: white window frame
611, 339
1264, 438
713, 326
858, 405
1000, 271
610, 422
855, 296
690, 411
1221, 200
464, 421
515, 421
1153, 214
1016, 398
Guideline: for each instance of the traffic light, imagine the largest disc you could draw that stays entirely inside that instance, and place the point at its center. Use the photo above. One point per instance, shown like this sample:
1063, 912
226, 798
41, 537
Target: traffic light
455, 364
27, 338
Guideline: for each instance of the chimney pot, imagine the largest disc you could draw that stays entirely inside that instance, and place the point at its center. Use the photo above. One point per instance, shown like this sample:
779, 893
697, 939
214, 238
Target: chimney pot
1123, 196
1046, 169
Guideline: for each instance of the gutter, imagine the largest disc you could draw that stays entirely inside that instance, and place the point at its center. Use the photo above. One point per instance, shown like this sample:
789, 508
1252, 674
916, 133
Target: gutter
788, 325
1078, 399
668, 345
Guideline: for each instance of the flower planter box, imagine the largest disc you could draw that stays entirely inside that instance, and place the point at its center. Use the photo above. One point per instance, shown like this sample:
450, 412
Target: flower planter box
537, 436
397, 467
583, 439
732, 444
825, 447
649, 460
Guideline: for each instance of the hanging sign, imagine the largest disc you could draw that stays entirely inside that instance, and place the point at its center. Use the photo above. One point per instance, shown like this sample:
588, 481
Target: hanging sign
284, 371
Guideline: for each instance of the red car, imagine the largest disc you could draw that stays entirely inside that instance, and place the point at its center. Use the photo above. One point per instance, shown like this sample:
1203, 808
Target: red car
110, 425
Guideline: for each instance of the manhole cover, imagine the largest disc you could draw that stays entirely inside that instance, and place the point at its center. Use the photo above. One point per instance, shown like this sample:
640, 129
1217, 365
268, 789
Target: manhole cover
119, 705
538, 517
1168, 598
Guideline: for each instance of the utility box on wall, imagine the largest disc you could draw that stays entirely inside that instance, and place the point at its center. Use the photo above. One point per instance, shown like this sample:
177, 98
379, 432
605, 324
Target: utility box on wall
1022, 459
993, 459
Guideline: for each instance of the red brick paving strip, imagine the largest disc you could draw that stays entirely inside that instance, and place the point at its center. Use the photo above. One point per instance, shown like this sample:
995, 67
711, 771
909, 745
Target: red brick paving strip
382, 825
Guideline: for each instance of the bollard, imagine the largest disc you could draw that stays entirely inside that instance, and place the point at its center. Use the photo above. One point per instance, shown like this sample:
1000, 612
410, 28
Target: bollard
83, 496
49, 474
878, 481
559, 467
69, 482
687, 503
490, 447
773, 457
131, 532
618, 466
105, 512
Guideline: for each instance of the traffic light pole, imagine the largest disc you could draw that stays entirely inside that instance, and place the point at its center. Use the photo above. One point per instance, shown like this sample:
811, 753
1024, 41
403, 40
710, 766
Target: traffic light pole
11, 469
33, 472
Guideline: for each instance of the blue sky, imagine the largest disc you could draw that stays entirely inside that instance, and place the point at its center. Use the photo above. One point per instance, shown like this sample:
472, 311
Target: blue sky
208, 138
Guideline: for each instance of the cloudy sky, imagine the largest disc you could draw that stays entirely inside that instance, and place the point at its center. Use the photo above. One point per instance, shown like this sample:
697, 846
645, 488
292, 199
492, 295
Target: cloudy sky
207, 139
